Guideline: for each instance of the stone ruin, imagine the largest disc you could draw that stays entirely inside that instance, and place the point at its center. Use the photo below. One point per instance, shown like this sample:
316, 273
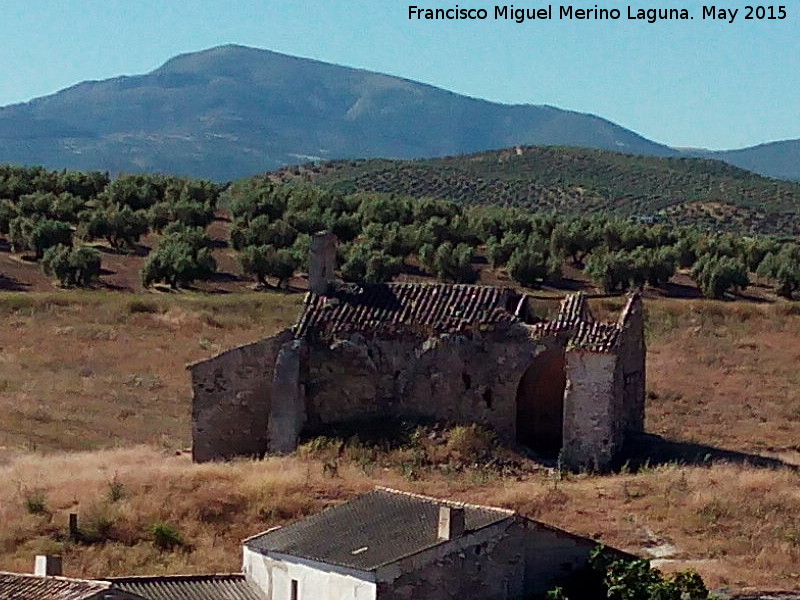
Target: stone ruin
571, 388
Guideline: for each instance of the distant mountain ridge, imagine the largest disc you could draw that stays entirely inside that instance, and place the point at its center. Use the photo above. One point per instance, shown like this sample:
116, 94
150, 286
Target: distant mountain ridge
233, 111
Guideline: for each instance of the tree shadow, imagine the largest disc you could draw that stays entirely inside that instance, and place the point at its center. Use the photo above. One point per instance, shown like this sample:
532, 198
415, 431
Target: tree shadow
651, 450
9, 284
679, 290
568, 284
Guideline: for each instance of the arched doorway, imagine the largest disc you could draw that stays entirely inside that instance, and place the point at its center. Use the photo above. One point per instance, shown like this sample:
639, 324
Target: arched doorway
540, 404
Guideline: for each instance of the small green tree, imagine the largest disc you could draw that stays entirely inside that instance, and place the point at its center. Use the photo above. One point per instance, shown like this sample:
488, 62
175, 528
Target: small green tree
715, 275
267, 261
363, 263
783, 267
532, 263
179, 260
72, 266
120, 225
453, 263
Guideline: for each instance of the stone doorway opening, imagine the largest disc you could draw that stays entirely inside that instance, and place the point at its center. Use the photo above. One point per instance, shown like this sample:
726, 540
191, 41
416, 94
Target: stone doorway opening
540, 404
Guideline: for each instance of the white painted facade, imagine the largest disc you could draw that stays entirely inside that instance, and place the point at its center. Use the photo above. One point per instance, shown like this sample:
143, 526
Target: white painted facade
273, 573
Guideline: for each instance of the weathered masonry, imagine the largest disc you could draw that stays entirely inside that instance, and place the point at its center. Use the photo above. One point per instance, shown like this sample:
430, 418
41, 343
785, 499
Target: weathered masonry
572, 387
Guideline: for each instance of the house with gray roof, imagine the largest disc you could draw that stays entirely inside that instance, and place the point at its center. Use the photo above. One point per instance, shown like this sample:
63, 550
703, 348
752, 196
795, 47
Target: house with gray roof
572, 387
393, 545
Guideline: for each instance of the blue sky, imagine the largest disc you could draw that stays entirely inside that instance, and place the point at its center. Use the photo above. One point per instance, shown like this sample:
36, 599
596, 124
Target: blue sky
686, 83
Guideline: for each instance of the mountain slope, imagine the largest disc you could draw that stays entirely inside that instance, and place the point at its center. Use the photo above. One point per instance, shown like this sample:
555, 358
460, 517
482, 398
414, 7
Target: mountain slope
703, 192
232, 111
776, 159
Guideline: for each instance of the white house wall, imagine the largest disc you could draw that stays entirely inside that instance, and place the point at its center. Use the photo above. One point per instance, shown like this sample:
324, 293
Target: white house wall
316, 581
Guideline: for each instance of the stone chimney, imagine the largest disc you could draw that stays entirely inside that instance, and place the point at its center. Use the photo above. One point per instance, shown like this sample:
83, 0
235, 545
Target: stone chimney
322, 263
47, 565
451, 522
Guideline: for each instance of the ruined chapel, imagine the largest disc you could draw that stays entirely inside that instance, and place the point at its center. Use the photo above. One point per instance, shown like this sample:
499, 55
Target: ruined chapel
572, 387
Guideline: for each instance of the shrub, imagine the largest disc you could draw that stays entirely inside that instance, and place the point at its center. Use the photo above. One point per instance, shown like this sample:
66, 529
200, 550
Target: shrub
35, 502
166, 536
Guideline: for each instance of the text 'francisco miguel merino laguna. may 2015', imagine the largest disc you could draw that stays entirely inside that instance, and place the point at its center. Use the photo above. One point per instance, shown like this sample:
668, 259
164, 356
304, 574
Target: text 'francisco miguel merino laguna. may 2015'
569, 12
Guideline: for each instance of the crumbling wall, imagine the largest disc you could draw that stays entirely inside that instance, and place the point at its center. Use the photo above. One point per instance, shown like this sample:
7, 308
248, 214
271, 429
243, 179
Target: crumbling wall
593, 419
492, 568
287, 413
462, 378
632, 364
231, 401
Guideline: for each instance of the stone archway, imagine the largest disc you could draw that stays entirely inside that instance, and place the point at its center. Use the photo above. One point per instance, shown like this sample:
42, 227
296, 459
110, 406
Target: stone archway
540, 404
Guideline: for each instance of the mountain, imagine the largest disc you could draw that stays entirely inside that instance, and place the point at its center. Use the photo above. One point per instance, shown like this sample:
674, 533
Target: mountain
579, 181
233, 111
780, 160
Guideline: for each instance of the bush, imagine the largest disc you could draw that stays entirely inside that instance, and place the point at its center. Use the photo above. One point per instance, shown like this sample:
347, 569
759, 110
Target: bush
166, 536
629, 579
35, 502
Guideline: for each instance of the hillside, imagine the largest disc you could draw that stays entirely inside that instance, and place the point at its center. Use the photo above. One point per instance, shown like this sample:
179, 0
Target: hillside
234, 111
685, 191
777, 159
721, 377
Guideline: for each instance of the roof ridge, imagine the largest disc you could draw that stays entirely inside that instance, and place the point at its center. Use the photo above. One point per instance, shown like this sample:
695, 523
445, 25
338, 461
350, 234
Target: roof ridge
175, 576
435, 500
98, 582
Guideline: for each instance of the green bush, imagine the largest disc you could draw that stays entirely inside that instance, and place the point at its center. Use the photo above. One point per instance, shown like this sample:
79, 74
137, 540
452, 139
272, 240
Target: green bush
166, 536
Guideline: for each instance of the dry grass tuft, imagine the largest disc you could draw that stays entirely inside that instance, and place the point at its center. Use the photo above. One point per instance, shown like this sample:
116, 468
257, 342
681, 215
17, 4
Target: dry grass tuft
738, 525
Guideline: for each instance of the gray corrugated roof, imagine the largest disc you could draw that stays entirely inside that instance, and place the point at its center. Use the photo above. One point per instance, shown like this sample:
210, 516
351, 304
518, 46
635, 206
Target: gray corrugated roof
370, 531
22, 586
189, 587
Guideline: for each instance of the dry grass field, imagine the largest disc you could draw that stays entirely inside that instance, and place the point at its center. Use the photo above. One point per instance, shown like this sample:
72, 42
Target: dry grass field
102, 375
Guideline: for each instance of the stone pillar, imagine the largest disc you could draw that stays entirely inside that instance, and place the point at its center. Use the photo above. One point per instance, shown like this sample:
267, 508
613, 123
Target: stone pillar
592, 432
632, 354
322, 263
288, 411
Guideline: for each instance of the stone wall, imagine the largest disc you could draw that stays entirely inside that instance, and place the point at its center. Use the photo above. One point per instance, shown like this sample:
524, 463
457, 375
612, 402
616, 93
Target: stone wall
593, 423
232, 398
632, 356
458, 378
287, 412
486, 565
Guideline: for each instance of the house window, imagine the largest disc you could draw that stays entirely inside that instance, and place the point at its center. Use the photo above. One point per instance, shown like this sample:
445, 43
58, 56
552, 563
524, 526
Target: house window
295, 592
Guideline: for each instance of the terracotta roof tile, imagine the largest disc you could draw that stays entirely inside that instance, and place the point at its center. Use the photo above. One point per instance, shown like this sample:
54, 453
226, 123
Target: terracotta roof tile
407, 307
436, 308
